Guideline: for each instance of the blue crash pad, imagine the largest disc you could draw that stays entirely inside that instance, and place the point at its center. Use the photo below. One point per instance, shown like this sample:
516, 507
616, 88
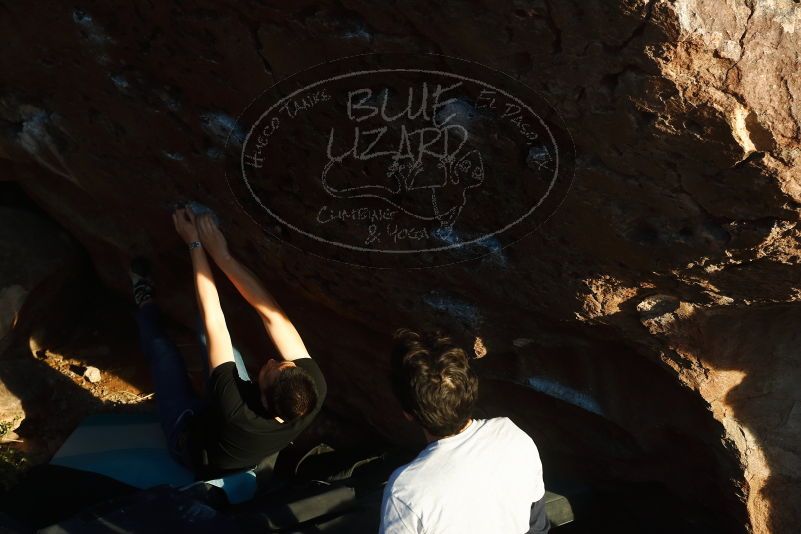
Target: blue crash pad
131, 448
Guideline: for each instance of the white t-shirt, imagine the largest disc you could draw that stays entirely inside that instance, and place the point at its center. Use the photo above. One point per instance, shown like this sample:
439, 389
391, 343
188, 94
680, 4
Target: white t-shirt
482, 480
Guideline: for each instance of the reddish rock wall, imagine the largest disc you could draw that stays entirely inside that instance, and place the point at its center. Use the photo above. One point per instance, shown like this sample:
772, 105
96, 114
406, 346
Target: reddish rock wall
647, 326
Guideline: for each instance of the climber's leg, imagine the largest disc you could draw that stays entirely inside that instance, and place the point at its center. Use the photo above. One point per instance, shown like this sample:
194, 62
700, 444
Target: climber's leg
174, 394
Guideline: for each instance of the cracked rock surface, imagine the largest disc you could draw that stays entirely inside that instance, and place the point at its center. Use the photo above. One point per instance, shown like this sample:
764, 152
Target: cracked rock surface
647, 332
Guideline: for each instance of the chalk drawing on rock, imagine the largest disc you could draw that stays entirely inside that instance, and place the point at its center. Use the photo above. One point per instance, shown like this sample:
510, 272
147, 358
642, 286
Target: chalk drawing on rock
459, 160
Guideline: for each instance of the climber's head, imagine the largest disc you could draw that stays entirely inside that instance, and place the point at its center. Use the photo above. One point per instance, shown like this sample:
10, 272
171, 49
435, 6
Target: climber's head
286, 389
433, 381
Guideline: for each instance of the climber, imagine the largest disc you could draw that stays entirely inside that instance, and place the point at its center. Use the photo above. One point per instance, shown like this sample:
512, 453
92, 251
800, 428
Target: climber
474, 475
240, 422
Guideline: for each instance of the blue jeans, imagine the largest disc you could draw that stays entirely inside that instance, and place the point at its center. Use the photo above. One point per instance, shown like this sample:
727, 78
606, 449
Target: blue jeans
174, 394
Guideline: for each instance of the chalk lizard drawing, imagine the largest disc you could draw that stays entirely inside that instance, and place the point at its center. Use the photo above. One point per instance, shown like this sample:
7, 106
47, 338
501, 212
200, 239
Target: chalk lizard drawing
416, 192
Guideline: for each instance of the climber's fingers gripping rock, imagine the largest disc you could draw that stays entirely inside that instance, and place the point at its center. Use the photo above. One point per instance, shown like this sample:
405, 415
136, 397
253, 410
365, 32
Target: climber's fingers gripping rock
185, 225
212, 238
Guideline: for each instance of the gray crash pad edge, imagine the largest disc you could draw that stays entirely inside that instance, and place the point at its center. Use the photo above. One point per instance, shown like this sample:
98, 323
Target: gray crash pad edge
558, 509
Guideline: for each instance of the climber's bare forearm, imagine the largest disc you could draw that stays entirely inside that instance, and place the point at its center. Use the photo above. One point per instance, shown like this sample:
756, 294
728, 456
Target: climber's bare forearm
219, 340
283, 333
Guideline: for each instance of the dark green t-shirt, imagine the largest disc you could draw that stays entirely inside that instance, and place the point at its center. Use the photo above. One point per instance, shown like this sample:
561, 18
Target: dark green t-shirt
236, 431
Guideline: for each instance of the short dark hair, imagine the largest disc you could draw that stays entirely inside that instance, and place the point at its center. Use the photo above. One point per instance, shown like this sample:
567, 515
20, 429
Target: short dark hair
293, 394
432, 379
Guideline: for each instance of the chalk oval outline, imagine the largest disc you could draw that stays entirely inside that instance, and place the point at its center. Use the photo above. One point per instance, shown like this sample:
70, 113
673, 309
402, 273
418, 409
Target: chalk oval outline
453, 246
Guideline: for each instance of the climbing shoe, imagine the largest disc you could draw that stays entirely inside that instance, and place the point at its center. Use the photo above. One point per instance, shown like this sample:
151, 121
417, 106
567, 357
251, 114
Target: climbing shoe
141, 280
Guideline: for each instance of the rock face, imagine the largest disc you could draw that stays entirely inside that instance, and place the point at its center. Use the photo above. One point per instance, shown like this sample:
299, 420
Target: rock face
32, 250
34, 255
647, 332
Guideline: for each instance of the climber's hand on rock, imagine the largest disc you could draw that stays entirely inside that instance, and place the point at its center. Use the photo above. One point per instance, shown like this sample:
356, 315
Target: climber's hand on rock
212, 238
185, 225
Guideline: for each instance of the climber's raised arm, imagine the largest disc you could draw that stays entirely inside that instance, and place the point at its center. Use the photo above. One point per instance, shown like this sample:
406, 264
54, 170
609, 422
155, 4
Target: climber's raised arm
219, 340
283, 333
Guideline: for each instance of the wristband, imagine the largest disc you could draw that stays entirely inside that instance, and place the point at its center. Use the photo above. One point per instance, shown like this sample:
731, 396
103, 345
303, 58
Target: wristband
194, 244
